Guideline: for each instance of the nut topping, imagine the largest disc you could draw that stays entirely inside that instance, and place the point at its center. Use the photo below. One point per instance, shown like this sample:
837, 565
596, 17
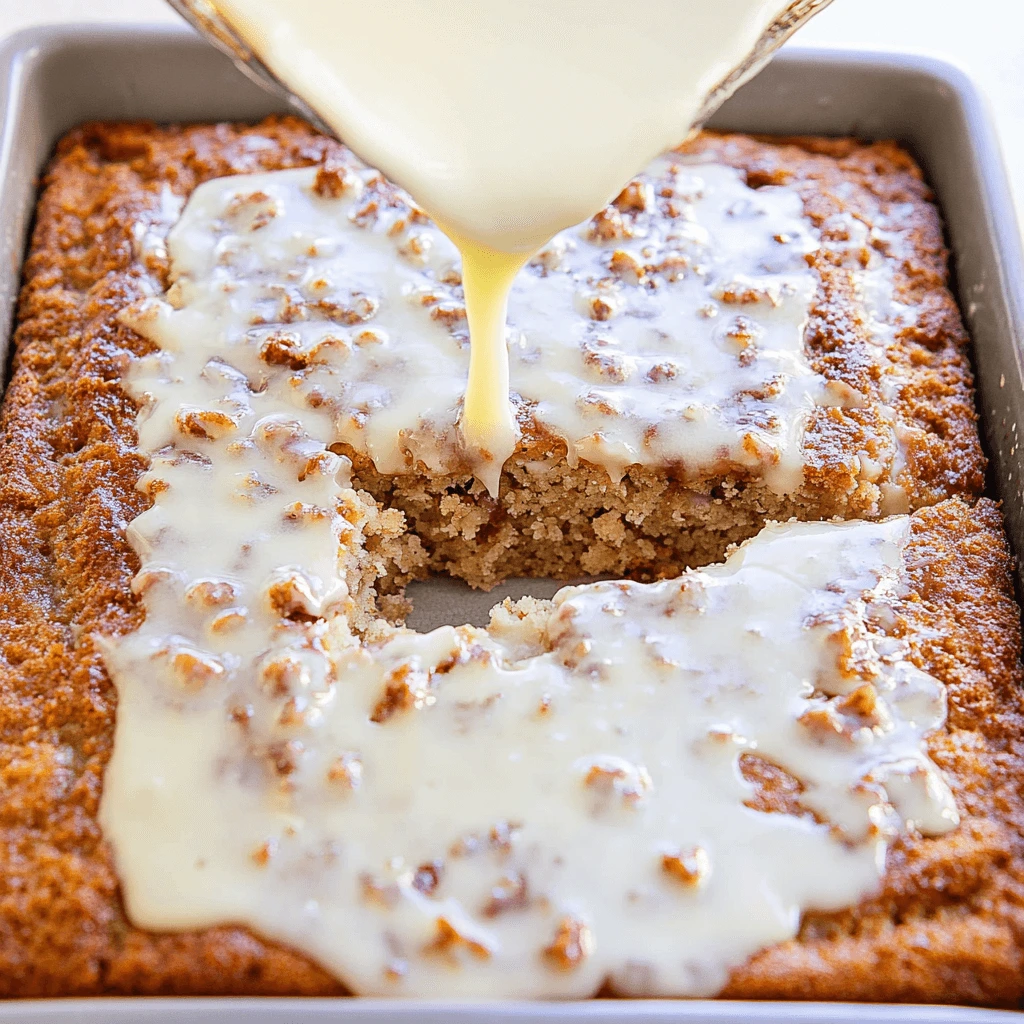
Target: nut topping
572, 944
689, 867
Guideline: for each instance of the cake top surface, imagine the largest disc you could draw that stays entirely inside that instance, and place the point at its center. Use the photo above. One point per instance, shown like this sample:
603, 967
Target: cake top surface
945, 915
421, 811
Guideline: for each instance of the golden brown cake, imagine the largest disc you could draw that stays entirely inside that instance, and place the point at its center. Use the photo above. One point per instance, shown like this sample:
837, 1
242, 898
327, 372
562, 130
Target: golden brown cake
947, 923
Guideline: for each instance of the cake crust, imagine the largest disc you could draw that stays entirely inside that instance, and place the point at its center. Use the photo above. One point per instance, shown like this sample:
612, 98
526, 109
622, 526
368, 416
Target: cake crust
948, 924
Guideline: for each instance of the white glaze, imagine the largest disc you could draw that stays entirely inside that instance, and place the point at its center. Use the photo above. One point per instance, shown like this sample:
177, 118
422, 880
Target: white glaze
542, 772
364, 298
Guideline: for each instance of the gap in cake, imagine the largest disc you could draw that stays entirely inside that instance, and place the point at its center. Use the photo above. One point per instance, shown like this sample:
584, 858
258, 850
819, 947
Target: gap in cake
443, 600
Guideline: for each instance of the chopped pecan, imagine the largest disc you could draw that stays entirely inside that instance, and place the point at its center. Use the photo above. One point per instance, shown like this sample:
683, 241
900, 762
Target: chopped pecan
291, 596
602, 306
321, 464
252, 488
284, 756
760, 450
293, 713
610, 365
626, 266
283, 674
448, 939
673, 266
607, 225
503, 834
262, 854
509, 894
383, 894
259, 207
210, 593
146, 579
241, 715
665, 370
346, 770
428, 877
333, 180
613, 775
416, 248
689, 867
862, 702
404, 689
634, 198
741, 333
572, 944
194, 669
745, 293
284, 348
228, 620
301, 512
396, 969
448, 313
592, 403
356, 310
210, 424
371, 336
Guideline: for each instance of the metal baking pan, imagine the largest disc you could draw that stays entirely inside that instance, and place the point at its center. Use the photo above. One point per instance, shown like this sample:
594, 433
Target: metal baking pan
52, 79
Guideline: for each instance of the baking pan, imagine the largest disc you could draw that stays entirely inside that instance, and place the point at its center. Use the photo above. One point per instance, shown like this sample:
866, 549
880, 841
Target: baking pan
51, 79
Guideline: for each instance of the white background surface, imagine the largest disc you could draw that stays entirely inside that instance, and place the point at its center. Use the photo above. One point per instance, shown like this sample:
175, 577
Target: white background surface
984, 37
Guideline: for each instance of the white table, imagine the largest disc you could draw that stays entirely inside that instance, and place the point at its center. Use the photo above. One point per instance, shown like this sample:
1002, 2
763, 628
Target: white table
984, 37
